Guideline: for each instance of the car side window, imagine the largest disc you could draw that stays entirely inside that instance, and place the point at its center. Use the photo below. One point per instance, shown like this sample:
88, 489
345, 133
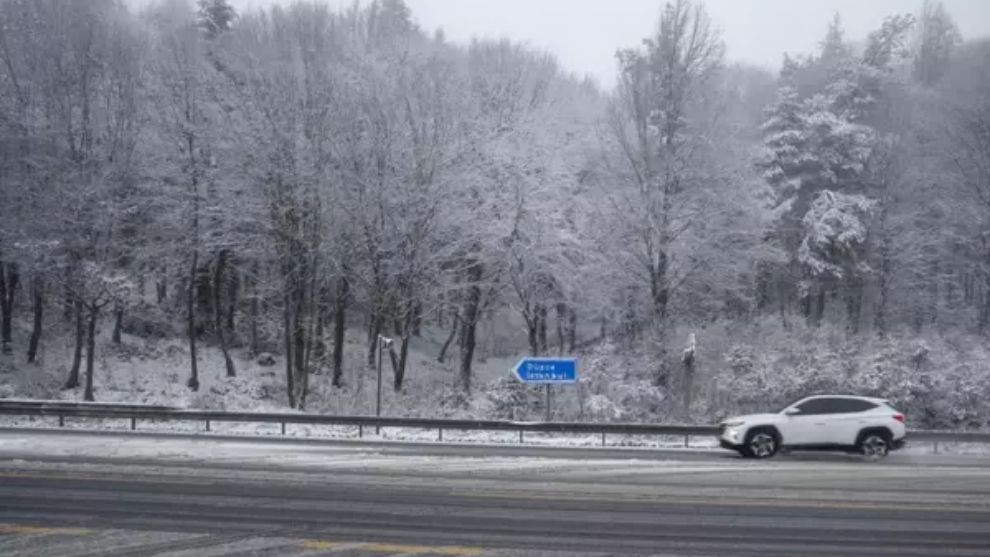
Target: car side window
813, 406
851, 405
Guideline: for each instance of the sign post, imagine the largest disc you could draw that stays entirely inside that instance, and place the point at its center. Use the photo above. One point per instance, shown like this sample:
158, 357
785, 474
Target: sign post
547, 371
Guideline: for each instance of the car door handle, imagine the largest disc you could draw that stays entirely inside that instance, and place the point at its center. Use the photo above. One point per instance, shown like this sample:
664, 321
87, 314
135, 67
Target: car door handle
819, 423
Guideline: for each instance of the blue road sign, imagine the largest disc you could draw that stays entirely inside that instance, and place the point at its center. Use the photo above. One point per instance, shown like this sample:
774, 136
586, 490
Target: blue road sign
547, 370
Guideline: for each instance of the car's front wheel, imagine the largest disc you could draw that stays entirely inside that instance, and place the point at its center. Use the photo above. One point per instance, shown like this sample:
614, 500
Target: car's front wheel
874, 446
761, 443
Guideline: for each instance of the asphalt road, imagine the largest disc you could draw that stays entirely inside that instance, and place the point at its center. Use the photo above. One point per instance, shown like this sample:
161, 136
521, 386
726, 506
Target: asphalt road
74, 494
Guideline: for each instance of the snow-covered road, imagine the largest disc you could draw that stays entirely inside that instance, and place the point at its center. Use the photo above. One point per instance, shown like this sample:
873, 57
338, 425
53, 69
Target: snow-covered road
74, 493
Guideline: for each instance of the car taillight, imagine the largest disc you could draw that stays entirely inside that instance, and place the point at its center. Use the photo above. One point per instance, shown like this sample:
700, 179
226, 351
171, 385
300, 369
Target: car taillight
899, 417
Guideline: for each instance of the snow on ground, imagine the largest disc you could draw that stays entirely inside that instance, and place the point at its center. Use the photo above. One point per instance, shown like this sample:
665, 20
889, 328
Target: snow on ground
150, 371
361, 458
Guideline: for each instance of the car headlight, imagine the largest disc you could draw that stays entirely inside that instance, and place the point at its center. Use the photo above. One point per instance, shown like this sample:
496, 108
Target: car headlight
735, 423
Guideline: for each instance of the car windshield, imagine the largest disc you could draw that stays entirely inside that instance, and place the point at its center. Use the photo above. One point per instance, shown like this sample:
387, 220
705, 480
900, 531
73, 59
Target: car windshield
790, 404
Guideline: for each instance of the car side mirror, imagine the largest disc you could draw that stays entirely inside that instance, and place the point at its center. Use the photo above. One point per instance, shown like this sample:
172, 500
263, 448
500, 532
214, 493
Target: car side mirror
792, 411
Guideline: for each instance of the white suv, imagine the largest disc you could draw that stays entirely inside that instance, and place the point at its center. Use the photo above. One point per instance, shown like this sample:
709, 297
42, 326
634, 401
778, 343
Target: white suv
869, 426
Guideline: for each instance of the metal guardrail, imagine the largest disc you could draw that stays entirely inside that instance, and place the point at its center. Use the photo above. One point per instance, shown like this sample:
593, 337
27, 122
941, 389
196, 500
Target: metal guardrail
135, 412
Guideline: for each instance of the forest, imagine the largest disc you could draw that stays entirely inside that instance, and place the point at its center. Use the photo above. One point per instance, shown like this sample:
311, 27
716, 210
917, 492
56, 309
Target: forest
288, 180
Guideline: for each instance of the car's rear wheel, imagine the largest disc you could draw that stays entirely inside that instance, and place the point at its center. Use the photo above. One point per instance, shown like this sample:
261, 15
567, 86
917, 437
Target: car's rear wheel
761, 443
874, 446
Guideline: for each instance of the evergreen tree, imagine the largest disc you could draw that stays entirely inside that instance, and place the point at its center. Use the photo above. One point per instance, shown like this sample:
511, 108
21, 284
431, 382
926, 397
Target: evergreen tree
937, 38
215, 16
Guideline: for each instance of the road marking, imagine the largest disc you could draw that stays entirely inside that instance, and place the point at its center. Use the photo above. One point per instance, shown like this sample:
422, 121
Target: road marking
148, 478
448, 551
419, 549
728, 501
13, 529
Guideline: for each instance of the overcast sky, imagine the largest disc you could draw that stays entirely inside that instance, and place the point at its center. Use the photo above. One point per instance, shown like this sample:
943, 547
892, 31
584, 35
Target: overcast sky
584, 34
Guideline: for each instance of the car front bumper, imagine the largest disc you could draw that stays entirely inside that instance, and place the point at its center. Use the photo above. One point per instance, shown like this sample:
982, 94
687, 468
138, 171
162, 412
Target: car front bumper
731, 438
728, 445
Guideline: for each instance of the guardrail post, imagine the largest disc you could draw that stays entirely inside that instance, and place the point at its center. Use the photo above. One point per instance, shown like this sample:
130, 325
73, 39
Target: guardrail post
283, 428
360, 431
687, 441
520, 437
207, 425
936, 446
61, 420
439, 434
133, 423
603, 438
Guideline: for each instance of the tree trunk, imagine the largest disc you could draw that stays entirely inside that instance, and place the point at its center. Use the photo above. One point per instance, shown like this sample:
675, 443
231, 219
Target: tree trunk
572, 330
933, 292
472, 305
854, 304
339, 328
218, 280
39, 306
820, 305
118, 323
417, 324
142, 283
404, 333
73, 381
319, 342
161, 287
319, 345
255, 301
299, 346
400, 372
90, 352
287, 329
9, 279
883, 287
315, 311
662, 373
532, 331
659, 289
562, 323
193, 382
204, 300
68, 300
233, 292
541, 316
374, 331
985, 313
807, 299
450, 338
